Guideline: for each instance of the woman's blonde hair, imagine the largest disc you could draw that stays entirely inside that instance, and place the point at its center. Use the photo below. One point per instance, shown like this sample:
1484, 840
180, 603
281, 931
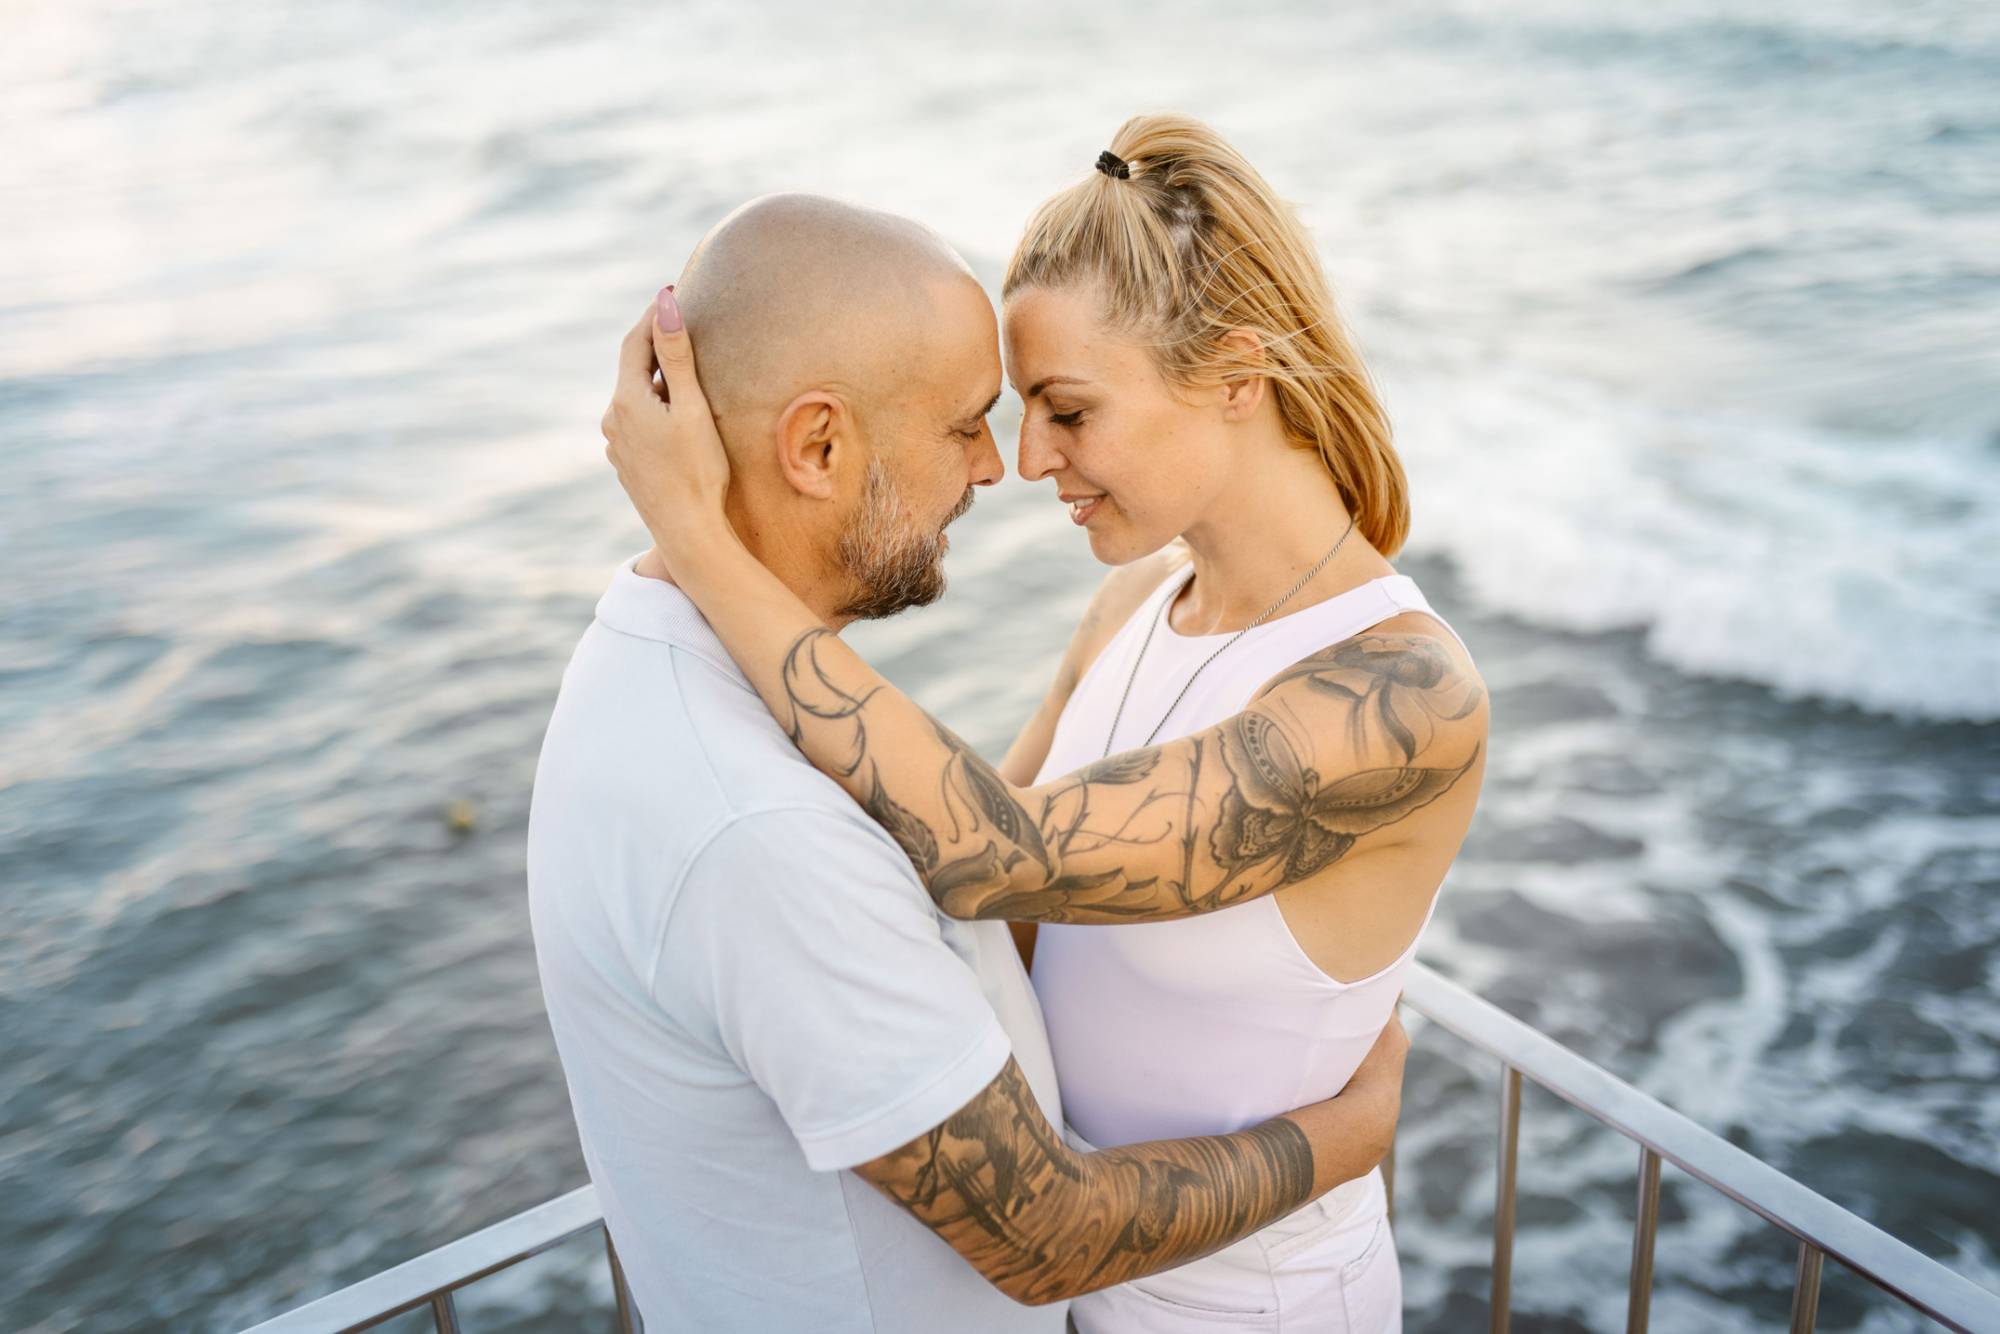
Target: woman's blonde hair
1193, 244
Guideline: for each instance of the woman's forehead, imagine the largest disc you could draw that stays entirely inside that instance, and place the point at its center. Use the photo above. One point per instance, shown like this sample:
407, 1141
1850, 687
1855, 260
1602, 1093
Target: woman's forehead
1056, 337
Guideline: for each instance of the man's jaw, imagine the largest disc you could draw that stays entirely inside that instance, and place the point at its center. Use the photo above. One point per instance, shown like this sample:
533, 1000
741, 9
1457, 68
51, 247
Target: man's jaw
958, 512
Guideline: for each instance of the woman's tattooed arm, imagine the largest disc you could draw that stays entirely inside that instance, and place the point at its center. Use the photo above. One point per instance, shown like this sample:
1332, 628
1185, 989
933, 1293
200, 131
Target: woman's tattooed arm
1043, 1222
1347, 745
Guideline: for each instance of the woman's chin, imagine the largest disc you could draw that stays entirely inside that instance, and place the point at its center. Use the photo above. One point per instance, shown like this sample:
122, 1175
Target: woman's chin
1102, 545
1117, 544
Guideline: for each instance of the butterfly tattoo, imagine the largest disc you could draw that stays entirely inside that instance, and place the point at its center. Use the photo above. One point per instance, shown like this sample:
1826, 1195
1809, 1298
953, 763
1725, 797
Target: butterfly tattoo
1277, 811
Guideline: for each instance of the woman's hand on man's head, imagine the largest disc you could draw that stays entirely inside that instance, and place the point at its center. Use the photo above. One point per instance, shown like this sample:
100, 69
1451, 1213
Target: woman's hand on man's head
661, 437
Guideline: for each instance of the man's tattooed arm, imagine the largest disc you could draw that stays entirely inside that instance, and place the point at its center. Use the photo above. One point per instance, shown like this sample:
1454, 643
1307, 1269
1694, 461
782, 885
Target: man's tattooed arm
1043, 1222
1372, 743
1345, 747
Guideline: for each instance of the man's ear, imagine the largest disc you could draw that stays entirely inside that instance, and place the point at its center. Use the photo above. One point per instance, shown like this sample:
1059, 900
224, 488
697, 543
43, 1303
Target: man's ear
1241, 397
813, 430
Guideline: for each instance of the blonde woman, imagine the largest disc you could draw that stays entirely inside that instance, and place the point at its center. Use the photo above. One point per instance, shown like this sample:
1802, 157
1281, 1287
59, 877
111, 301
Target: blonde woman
1226, 826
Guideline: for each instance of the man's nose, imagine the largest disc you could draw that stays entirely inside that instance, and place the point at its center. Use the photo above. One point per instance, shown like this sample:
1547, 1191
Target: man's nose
987, 468
1038, 459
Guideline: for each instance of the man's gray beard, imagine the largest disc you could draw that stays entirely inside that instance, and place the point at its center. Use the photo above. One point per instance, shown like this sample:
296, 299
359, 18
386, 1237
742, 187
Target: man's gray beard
894, 566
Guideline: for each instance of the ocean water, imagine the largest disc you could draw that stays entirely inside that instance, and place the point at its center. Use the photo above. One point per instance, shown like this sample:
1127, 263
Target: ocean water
1689, 320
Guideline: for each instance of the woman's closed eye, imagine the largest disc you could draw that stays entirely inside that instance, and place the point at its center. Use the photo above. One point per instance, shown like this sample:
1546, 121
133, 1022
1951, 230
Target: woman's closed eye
1067, 419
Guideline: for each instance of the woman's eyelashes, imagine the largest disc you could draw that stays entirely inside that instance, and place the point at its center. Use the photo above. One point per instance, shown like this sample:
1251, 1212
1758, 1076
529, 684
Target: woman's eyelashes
1067, 420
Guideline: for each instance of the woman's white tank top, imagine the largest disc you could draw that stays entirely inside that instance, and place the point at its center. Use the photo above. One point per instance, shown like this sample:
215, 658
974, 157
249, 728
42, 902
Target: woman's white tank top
1211, 1023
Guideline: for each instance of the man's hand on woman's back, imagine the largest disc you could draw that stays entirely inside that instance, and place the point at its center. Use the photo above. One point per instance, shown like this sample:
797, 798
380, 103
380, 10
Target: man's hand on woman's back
1351, 1134
1043, 1222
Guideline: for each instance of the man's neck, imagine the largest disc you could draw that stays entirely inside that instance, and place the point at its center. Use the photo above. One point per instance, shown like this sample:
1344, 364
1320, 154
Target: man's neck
811, 592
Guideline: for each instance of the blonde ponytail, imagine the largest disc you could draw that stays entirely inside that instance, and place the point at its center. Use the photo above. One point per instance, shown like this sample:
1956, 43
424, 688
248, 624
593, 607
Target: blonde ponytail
1191, 244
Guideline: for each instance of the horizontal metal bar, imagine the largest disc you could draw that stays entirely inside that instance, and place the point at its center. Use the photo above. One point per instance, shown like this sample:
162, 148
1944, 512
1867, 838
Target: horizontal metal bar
1918, 1280
413, 1283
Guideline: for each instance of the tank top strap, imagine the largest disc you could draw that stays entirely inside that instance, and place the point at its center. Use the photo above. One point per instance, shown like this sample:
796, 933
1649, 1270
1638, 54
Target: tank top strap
1123, 645
1398, 591
1320, 981
1436, 896
1170, 588
1402, 590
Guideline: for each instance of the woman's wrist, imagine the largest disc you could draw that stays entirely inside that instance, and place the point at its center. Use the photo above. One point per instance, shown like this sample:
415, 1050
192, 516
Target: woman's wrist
702, 553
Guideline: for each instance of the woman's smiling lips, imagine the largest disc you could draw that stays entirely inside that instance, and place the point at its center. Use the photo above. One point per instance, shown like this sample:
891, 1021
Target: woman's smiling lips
1081, 505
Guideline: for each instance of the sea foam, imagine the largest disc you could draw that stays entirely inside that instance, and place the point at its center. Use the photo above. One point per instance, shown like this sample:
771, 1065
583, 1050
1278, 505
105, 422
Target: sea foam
1853, 569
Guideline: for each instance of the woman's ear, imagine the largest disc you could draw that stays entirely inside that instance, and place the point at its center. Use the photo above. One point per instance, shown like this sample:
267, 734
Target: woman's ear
1242, 395
812, 431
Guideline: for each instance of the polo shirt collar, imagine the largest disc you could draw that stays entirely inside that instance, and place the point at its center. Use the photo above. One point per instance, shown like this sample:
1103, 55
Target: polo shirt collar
655, 609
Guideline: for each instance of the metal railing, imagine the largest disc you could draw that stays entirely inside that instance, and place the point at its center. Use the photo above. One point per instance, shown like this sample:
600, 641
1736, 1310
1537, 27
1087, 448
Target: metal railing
1821, 1227
431, 1279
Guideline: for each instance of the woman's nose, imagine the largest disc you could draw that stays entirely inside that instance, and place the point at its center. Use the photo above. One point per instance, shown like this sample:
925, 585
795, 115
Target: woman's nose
1038, 457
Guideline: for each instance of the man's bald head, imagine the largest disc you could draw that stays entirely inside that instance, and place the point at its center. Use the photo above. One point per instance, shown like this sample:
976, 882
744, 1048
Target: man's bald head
795, 292
850, 358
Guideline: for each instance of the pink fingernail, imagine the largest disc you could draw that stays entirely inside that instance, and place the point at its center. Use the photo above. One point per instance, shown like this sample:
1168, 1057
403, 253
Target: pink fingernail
667, 311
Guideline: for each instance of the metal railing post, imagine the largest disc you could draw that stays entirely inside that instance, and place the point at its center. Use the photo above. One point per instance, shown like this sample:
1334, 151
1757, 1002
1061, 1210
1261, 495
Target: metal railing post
1645, 1227
628, 1315
1805, 1292
444, 1313
1503, 1197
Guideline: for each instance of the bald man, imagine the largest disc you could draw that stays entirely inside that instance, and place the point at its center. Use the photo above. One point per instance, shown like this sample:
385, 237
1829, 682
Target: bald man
808, 1101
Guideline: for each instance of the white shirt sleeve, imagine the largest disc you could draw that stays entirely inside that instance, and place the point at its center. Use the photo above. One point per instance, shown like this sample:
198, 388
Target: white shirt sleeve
817, 954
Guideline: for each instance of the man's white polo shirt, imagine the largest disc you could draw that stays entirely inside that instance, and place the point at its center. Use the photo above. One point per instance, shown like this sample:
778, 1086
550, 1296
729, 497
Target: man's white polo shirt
750, 990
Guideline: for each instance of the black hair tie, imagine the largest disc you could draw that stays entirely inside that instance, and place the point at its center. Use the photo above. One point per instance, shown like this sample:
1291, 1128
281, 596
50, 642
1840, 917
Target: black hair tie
1114, 166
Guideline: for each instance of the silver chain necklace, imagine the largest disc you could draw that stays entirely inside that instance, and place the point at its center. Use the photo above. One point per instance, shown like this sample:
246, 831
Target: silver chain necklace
1147, 643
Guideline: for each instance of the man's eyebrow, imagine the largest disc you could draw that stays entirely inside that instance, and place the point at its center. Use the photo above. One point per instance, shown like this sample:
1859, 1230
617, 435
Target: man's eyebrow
1047, 380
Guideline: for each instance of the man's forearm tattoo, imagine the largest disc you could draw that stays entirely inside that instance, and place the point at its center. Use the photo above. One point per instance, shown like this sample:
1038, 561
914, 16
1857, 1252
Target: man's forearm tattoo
1241, 809
1043, 1222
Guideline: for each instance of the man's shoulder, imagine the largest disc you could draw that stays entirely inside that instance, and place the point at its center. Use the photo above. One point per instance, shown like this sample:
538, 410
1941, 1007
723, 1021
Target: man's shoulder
658, 749
783, 846
688, 720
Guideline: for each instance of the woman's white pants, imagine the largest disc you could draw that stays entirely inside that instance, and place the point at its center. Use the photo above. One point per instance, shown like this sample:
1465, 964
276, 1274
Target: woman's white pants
1329, 1268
